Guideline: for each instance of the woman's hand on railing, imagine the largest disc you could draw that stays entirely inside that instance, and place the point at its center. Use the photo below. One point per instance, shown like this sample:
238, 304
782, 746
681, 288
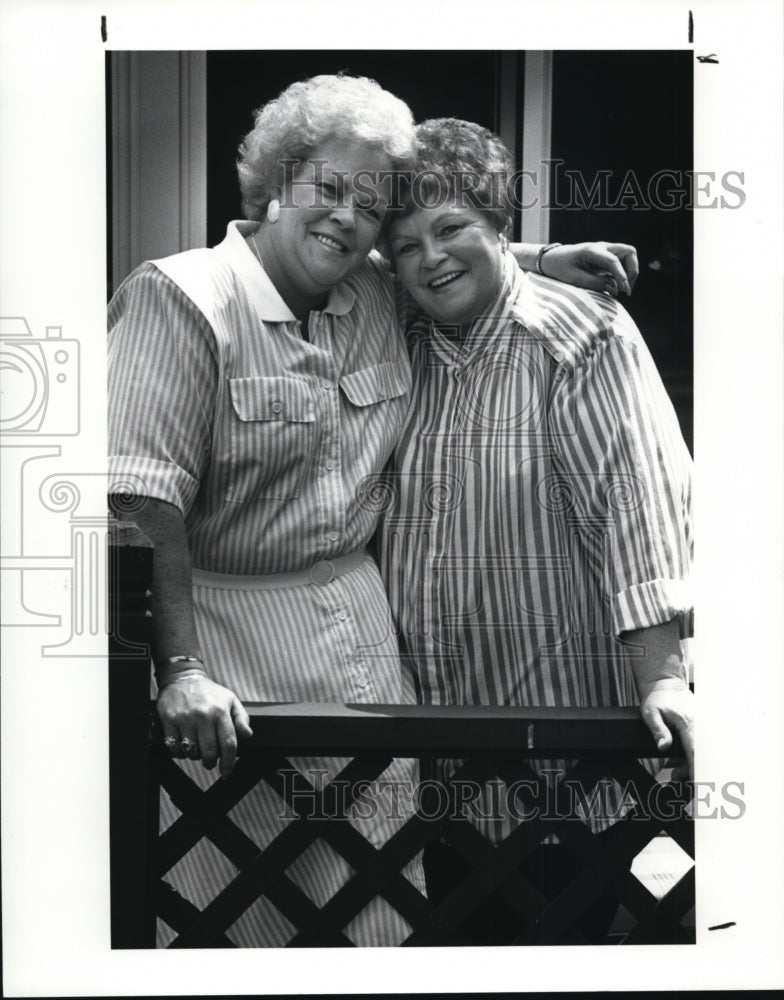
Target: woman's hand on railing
661, 678
209, 716
669, 703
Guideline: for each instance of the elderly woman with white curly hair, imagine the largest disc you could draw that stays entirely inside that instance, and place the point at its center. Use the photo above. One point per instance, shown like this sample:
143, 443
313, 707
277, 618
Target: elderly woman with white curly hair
253, 386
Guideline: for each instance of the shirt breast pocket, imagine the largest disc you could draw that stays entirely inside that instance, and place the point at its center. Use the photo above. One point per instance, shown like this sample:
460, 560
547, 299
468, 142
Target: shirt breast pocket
376, 384
272, 438
377, 397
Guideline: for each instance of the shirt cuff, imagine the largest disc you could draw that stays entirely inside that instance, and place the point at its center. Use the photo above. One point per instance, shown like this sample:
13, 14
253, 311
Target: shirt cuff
651, 603
149, 477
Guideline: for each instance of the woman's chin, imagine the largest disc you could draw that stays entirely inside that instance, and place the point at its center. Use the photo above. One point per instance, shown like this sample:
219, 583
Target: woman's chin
327, 273
453, 310
452, 317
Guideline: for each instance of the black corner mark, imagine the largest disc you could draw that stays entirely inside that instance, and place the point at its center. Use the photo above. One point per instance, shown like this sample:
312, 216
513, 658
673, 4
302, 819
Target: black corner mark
712, 58
103, 27
691, 28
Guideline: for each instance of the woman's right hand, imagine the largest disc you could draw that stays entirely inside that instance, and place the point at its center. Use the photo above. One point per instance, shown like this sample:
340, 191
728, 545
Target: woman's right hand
209, 715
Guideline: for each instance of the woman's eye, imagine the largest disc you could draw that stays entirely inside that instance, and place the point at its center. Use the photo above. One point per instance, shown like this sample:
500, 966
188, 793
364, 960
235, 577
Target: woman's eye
451, 229
405, 248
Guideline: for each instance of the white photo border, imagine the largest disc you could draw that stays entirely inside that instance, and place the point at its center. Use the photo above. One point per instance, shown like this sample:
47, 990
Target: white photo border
54, 721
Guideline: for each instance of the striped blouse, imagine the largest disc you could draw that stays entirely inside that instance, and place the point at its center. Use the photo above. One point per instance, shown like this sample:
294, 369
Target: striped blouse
221, 407
537, 505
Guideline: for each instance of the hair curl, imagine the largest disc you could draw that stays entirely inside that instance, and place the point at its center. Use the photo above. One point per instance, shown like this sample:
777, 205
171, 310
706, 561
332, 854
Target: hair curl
307, 113
459, 160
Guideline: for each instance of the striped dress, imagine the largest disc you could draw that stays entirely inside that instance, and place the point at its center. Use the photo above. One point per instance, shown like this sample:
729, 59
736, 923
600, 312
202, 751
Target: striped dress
537, 505
259, 436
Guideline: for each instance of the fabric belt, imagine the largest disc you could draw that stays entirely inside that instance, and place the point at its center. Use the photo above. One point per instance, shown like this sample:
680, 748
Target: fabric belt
320, 574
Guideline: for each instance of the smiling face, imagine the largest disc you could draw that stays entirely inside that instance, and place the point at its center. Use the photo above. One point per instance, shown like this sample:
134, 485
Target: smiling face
450, 261
331, 212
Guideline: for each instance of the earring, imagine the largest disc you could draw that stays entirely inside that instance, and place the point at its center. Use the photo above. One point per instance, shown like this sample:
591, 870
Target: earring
504, 242
273, 210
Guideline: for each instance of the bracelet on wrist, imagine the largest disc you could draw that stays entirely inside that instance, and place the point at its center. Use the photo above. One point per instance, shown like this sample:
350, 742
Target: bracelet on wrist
175, 668
542, 251
188, 675
179, 659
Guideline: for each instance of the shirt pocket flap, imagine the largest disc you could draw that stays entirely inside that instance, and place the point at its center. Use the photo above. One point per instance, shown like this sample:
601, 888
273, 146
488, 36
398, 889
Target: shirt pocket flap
273, 398
370, 385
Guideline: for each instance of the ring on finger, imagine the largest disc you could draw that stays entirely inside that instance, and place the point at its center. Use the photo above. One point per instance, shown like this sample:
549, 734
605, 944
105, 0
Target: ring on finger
187, 745
171, 743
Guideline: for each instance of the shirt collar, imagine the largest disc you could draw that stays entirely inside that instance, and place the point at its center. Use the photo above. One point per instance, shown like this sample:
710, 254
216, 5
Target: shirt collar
257, 283
544, 307
507, 308
517, 285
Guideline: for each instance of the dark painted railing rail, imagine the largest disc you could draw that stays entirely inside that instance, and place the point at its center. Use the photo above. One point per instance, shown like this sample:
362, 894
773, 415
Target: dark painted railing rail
489, 742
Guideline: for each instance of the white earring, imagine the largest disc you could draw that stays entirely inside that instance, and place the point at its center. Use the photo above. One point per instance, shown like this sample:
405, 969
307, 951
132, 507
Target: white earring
273, 210
504, 242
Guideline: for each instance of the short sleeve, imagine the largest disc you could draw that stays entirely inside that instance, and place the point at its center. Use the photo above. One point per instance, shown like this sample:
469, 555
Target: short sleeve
163, 371
626, 475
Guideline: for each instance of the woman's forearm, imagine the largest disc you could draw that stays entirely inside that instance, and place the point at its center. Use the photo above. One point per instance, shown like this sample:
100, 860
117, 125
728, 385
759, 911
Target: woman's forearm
174, 627
195, 710
659, 658
601, 267
525, 254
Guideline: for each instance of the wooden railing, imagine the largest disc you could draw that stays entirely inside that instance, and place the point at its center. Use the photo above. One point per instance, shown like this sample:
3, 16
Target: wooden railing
489, 742
133, 798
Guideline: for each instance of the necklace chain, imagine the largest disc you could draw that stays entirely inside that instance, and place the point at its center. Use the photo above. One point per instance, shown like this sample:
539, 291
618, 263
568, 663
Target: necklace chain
302, 327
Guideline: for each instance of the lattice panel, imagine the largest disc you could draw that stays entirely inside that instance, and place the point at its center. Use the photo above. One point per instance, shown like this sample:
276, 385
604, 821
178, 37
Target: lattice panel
377, 872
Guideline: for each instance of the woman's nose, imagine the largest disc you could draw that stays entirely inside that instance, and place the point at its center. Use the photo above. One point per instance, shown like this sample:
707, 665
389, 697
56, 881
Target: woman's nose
344, 215
432, 254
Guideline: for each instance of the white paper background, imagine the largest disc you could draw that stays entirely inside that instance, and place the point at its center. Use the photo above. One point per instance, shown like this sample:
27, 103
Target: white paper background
55, 777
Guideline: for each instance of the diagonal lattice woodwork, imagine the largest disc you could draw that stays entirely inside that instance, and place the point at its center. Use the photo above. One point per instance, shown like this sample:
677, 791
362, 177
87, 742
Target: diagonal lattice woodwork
605, 868
491, 744
377, 871
261, 871
495, 867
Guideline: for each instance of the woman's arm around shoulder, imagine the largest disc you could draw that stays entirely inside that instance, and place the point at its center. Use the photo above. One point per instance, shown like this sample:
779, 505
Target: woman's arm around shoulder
600, 267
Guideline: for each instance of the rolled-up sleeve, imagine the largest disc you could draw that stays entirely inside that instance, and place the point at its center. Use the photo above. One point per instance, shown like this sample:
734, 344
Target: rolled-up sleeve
163, 376
626, 471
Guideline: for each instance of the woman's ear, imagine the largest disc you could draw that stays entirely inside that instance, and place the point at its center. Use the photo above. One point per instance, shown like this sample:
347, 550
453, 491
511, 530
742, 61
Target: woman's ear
278, 194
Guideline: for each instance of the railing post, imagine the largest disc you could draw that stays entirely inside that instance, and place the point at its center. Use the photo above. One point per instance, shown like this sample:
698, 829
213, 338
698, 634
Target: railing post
133, 798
